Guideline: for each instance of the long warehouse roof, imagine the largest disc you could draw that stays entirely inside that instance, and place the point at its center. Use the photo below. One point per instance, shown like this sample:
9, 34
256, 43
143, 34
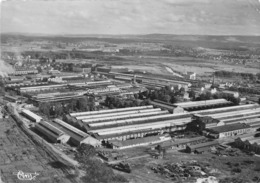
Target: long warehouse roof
110, 110
139, 127
71, 128
126, 116
139, 120
240, 119
117, 113
225, 109
31, 114
50, 128
234, 114
202, 103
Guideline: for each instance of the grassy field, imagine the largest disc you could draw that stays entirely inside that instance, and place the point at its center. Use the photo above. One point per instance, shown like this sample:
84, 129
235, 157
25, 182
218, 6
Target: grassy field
182, 64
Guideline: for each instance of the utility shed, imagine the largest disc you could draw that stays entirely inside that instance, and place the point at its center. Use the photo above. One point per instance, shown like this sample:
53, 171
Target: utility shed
51, 132
201, 146
230, 130
183, 143
32, 116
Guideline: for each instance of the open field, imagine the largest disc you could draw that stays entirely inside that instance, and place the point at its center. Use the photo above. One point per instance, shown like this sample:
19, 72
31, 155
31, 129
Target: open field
18, 152
182, 64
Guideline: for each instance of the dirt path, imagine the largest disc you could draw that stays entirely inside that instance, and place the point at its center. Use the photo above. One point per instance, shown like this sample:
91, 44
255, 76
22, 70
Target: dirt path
173, 73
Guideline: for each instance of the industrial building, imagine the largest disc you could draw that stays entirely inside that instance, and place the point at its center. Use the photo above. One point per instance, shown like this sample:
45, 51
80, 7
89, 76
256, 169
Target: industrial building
231, 93
90, 84
167, 106
13, 99
127, 123
146, 81
165, 82
51, 132
42, 88
77, 136
118, 144
19, 85
230, 115
229, 130
56, 97
24, 71
201, 147
183, 143
205, 104
81, 69
32, 116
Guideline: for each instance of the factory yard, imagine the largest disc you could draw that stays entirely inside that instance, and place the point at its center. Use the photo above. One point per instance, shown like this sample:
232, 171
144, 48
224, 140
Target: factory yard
19, 153
181, 167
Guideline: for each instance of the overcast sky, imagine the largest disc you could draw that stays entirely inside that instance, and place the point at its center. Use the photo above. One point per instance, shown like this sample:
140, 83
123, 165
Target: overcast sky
212, 17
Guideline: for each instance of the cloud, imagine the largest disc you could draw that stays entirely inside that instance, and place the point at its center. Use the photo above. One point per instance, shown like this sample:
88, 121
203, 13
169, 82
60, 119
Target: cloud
130, 17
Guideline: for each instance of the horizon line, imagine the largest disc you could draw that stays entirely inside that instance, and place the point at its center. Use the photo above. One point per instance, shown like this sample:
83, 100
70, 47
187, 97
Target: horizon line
92, 34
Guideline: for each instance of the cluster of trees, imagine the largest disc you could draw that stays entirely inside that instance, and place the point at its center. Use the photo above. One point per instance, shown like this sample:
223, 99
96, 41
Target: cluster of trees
246, 90
164, 94
2, 86
57, 109
116, 102
96, 171
228, 74
209, 96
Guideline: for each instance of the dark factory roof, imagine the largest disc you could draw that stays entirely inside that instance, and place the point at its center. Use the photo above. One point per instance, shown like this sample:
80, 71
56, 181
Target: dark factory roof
203, 145
228, 128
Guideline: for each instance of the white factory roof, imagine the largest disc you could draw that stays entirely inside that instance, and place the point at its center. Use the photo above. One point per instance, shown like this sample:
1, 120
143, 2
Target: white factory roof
121, 117
225, 109
110, 110
202, 103
71, 128
32, 115
135, 120
116, 114
139, 127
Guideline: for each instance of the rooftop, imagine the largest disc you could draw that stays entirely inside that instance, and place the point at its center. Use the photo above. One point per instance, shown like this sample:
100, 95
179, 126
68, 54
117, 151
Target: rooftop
228, 128
134, 141
205, 144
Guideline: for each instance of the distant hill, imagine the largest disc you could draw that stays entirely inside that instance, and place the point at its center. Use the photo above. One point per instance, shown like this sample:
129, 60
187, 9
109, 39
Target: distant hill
205, 41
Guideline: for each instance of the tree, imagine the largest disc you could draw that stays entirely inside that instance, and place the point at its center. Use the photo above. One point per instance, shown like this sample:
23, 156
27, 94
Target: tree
39, 69
95, 170
58, 109
83, 104
208, 95
136, 96
167, 98
173, 99
45, 108
85, 151
192, 94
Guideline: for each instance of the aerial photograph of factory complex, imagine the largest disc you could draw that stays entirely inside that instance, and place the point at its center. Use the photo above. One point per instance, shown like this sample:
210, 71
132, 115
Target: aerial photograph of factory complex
126, 91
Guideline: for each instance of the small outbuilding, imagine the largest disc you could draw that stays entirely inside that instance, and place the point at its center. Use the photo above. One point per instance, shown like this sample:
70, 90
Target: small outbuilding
230, 130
